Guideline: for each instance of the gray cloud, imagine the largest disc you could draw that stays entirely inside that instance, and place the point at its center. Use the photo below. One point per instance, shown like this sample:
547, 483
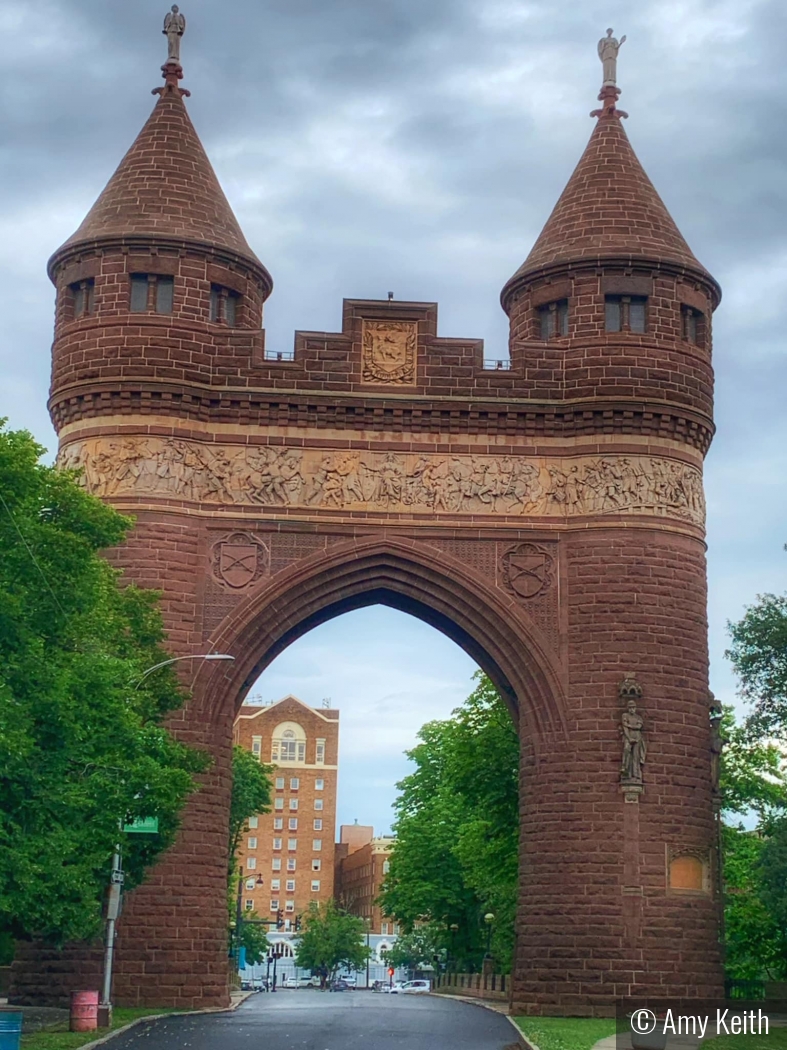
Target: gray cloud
419, 148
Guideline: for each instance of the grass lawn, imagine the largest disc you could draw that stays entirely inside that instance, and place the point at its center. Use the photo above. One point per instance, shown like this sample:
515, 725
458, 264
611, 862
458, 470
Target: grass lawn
775, 1040
566, 1033
59, 1038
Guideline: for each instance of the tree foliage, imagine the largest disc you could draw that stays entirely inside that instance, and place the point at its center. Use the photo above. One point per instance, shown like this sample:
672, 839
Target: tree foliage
457, 830
82, 745
759, 656
254, 938
416, 949
331, 940
251, 795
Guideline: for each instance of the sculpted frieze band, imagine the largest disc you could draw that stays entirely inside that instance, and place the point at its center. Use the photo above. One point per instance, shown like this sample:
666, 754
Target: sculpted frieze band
387, 481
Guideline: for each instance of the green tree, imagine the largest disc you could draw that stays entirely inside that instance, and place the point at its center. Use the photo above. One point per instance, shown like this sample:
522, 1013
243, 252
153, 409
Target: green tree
457, 830
251, 796
759, 656
83, 747
416, 949
331, 940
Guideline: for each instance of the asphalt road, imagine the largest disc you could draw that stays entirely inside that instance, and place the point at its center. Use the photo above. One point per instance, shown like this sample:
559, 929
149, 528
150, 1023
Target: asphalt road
313, 1020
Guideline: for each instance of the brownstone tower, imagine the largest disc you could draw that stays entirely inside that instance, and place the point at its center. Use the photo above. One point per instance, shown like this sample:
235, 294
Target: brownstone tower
546, 514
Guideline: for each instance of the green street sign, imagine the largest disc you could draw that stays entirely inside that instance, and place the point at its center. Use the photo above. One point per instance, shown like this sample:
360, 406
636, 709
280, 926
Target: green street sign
142, 826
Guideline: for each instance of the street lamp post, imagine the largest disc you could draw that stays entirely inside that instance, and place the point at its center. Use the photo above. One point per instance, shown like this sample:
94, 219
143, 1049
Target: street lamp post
454, 928
368, 923
489, 919
116, 880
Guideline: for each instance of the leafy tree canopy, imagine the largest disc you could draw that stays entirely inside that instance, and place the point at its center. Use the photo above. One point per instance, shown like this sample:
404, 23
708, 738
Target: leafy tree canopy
457, 827
251, 795
82, 745
331, 940
759, 656
416, 949
254, 939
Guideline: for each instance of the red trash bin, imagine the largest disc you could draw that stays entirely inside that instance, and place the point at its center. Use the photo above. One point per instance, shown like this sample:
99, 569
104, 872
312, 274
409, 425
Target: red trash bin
84, 1011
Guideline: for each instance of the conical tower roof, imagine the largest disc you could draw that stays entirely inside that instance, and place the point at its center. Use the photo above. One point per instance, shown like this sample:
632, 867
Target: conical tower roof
164, 189
609, 210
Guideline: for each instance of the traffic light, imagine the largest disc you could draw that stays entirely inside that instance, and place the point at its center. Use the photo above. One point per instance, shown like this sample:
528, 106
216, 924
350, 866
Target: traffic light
297, 923
391, 971
279, 919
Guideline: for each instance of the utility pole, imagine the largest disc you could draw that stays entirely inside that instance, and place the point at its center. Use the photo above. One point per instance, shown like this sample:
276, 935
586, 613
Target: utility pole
113, 910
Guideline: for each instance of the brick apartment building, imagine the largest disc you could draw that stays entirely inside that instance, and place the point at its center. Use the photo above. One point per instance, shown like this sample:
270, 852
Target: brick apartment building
288, 854
361, 866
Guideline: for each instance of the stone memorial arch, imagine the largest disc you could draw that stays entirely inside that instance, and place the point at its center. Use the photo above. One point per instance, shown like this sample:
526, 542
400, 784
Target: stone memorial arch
545, 511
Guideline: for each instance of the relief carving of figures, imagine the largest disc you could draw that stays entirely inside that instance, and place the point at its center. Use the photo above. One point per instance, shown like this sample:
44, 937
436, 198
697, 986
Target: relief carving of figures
388, 352
717, 742
388, 481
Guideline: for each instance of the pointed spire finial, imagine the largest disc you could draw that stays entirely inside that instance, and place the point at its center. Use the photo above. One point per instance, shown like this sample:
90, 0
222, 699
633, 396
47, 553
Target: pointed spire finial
608, 48
172, 70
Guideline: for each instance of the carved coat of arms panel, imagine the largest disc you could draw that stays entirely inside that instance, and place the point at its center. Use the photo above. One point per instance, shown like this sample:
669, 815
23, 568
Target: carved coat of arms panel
389, 352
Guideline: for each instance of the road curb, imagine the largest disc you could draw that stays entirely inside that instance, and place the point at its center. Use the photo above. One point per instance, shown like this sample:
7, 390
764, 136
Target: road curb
172, 1013
520, 1035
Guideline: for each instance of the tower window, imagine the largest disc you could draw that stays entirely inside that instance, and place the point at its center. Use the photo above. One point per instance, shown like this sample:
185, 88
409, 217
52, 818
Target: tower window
151, 292
692, 321
553, 319
223, 308
82, 293
625, 313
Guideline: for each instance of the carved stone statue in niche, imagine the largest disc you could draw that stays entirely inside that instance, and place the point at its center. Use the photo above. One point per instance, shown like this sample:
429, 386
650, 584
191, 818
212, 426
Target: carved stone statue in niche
717, 743
632, 729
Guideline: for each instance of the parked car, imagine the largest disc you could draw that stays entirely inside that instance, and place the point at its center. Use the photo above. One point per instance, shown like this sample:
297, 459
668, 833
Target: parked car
308, 982
395, 987
416, 987
349, 979
289, 982
340, 986
245, 986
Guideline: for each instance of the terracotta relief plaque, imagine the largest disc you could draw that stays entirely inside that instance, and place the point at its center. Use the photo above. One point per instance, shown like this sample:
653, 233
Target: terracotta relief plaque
414, 483
240, 560
388, 353
527, 570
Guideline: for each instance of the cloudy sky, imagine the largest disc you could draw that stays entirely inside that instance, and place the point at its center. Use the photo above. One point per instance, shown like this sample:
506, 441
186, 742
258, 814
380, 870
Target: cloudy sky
419, 147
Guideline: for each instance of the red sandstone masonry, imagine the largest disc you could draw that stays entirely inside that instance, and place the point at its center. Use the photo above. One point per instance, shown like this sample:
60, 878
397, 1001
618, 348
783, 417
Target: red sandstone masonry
596, 920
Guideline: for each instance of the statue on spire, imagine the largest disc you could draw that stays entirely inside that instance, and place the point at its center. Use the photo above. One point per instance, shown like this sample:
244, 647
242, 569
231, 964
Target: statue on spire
608, 48
174, 28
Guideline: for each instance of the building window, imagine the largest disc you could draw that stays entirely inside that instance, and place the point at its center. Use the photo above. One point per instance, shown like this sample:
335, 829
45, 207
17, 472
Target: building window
692, 320
83, 297
625, 313
384, 927
318, 824
295, 783
319, 784
251, 863
278, 803
292, 845
150, 291
396, 930
278, 823
289, 743
277, 843
276, 864
386, 866
280, 783
249, 905
316, 845
250, 884
318, 803
292, 823
291, 885
223, 305
139, 293
315, 885
254, 822
252, 842
293, 803
256, 745
276, 885
291, 864
289, 906
320, 753
553, 319
316, 865
274, 904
